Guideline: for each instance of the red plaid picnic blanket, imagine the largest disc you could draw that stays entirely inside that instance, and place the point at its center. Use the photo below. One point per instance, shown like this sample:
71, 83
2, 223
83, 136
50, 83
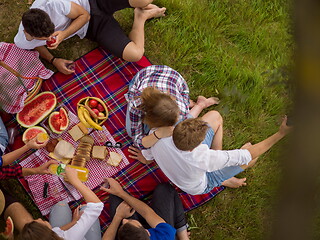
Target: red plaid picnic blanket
100, 74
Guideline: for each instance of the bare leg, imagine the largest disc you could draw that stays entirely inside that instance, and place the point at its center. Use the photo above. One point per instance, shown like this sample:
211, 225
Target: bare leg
134, 50
214, 119
201, 104
20, 216
234, 182
139, 3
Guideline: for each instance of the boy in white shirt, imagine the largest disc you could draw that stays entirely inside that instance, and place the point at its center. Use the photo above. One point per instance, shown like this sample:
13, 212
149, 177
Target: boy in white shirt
92, 19
187, 160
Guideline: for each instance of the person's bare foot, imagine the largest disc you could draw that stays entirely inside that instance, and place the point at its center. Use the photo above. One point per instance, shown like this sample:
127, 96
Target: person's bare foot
235, 182
150, 11
207, 102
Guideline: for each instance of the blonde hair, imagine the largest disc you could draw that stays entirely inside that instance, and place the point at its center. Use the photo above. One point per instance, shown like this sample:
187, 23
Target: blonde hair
189, 133
160, 110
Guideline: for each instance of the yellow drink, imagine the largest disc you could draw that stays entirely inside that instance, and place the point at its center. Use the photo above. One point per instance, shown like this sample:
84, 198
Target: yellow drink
83, 173
42, 137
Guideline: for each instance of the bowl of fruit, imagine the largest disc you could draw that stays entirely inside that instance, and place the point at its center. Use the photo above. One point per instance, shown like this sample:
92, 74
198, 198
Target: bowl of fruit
92, 112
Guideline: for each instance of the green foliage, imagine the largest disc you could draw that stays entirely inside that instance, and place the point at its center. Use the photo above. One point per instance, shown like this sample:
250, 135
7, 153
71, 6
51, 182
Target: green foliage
239, 51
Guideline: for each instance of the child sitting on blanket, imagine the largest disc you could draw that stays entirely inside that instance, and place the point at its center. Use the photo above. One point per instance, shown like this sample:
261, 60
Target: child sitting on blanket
62, 225
193, 158
164, 91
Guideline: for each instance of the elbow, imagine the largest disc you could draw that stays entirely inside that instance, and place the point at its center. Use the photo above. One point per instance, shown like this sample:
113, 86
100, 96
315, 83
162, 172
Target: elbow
87, 16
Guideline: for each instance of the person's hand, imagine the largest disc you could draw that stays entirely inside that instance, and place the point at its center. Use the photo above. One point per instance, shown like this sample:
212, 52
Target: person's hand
76, 214
163, 132
124, 210
35, 145
137, 154
284, 129
71, 175
114, 187
59, 37
43, 169
61, 64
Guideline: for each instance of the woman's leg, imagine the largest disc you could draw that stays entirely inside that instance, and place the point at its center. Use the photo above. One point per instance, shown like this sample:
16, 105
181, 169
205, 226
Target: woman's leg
60, 214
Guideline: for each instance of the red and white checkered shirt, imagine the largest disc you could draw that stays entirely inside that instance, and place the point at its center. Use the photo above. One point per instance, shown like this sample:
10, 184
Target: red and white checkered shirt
164, 79
28, 64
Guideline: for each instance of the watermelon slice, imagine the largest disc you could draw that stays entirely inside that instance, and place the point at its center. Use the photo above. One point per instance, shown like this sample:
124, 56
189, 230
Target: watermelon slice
31, 133
37, 109
8, 232
58, 121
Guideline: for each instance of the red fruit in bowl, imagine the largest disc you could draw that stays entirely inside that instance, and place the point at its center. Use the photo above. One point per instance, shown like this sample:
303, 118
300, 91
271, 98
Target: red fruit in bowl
96, 111
93, 103
100, 108
51, 41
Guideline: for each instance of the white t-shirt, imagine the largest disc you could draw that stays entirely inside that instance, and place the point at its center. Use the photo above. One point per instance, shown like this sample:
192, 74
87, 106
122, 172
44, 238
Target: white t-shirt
79, 230
186, 169
57, 11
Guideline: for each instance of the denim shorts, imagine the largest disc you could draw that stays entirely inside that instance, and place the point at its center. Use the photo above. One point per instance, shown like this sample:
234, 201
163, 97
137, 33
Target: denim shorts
216, 178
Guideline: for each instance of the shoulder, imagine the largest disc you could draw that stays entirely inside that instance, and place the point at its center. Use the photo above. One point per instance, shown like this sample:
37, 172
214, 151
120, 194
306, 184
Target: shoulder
162, 231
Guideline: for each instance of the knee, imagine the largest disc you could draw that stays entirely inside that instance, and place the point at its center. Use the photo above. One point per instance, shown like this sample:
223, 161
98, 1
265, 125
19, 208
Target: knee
163, 189
132, 53
216, 117
139, 3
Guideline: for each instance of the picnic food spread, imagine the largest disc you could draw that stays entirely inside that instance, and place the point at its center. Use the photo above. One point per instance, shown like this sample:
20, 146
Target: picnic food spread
92, 113
37, 109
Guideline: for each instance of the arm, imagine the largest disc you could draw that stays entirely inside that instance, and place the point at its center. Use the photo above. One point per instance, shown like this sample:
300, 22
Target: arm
137, 154
87, 194
59, 63
123, 211
14, 155
79, 18
161, 132
143, 209
257, 149
43, 169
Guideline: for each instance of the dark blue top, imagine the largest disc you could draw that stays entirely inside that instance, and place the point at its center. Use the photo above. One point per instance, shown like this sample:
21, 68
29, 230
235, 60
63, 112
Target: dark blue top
163, 231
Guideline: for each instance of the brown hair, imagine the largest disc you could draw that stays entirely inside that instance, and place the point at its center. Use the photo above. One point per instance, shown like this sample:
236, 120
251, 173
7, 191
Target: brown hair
160, 110
37, 231
189, 133
37, 23
129, 232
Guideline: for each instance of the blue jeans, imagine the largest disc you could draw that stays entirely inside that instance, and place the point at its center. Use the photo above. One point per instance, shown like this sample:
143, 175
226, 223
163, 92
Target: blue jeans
61, 215
3, 137
216, 178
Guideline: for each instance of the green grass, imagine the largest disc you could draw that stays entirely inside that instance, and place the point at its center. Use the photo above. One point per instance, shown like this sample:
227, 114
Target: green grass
238, 50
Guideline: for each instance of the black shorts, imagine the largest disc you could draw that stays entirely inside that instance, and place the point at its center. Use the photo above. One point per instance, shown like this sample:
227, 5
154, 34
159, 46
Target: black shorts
104, 29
